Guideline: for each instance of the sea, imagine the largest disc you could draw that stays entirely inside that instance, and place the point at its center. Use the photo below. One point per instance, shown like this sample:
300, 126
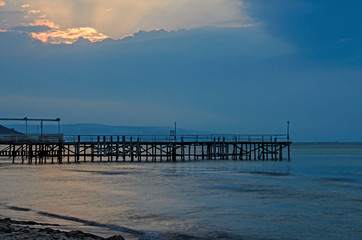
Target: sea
317, 195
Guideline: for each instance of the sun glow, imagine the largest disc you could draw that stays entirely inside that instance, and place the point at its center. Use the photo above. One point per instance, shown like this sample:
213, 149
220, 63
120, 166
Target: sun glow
96, 20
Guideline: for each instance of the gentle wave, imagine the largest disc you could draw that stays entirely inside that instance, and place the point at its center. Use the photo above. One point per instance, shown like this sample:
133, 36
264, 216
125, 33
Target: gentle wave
140, 234
100, 172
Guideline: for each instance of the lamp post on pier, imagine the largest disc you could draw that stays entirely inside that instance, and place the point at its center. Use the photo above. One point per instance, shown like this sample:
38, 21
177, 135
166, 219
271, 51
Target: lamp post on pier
288, 123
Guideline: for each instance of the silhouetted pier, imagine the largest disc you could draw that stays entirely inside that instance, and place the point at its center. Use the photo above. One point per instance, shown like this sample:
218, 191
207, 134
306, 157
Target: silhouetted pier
58, 148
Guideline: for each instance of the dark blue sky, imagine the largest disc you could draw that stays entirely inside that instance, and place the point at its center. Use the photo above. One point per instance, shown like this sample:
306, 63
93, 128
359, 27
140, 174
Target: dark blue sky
300, 61
325, 30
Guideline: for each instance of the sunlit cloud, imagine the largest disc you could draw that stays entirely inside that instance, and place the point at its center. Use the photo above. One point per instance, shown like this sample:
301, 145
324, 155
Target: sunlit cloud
33, 11
44, 22
69, 35
2, 3
25, 5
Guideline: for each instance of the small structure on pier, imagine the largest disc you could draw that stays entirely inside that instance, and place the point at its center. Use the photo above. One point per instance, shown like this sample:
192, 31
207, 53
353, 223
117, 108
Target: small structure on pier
32, 137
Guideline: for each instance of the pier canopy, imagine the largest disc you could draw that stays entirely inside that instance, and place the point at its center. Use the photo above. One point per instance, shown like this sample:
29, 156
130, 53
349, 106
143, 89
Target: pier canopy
26, 135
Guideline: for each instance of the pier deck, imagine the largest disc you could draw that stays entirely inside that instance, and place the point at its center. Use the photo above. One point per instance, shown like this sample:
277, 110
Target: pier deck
42, 149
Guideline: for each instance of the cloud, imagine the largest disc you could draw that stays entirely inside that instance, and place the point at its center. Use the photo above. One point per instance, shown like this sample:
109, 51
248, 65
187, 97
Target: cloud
313, 26
25, 5
55, 35
33, 11
30, 29
69, 35
2, 3
10, 13
48, 31
44, 22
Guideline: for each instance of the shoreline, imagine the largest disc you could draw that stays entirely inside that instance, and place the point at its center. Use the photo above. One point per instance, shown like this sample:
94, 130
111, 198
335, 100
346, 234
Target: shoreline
12, 229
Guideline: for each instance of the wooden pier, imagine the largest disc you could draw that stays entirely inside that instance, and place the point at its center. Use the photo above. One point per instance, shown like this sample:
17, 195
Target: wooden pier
57, 148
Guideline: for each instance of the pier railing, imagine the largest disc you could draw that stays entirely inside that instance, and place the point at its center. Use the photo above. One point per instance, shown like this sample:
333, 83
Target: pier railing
179, 138
28, 138
54, 138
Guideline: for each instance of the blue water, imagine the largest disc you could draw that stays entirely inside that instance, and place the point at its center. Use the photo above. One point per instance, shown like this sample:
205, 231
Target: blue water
318, 195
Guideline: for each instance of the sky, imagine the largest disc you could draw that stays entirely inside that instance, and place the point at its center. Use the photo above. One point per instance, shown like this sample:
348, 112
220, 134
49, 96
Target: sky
225, 66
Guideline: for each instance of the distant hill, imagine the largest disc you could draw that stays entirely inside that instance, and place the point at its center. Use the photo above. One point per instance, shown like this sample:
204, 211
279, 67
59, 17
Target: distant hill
99, 129
7, 131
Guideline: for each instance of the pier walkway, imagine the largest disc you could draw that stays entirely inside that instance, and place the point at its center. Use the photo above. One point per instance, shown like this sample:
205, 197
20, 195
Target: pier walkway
58, 148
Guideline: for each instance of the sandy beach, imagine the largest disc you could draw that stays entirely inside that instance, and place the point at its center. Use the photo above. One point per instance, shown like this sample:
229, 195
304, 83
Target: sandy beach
11, 229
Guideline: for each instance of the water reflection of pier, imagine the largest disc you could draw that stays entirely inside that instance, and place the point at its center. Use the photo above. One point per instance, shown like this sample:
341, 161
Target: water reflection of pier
58, 148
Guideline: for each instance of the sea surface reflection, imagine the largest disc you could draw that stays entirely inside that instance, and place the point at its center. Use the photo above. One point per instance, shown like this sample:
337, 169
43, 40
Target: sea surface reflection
315, 196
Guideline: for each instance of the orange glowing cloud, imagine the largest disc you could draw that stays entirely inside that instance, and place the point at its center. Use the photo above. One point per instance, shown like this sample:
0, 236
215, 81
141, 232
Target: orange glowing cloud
33, 11
44, 22
2, 3
25, 5
69, 36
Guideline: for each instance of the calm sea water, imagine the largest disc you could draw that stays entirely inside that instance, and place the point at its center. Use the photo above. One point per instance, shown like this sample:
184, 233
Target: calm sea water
318, 195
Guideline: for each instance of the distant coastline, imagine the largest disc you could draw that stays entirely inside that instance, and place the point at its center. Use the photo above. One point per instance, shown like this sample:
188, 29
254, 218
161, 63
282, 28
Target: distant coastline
5, 130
